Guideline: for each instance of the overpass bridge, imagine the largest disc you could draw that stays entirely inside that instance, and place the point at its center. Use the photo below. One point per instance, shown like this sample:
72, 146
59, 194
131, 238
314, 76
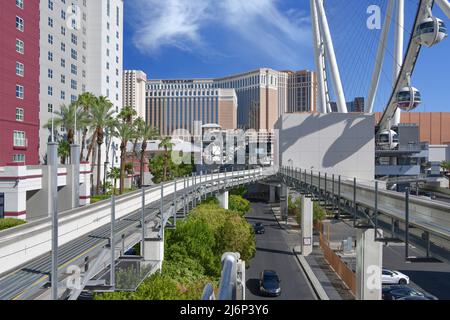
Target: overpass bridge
85, 234
370, 206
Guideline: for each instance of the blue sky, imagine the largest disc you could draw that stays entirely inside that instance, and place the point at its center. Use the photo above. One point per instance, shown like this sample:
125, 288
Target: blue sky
210, 38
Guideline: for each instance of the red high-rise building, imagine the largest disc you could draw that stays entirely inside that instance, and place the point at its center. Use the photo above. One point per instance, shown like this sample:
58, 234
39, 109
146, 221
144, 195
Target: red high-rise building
19, 82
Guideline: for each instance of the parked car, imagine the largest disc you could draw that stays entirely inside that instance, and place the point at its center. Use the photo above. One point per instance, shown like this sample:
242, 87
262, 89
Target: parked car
259, 228
269, 284
396, 292
393, 277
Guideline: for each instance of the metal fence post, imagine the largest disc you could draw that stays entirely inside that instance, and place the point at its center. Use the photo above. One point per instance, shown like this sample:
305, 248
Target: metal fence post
355, 207
162, 209
339, 198
143, 221
376, 209
112, 242
175, 203
53, 164
325, 188
184, 196
407, 224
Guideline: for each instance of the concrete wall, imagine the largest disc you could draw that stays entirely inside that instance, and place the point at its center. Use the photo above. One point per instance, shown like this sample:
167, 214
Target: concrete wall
438, 153
330, 143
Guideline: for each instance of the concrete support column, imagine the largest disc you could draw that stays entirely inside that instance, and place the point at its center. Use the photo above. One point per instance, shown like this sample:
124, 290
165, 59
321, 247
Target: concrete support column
307, 226
154, 251
272, 192
75, 181
284, 201
85, 184
369, 263
223, 199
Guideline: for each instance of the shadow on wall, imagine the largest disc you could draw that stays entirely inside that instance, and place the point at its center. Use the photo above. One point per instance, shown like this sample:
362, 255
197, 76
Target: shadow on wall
321, 122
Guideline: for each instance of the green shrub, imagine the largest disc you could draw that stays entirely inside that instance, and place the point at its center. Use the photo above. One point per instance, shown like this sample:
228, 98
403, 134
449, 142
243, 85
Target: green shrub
192, 254
10, 223
238, 204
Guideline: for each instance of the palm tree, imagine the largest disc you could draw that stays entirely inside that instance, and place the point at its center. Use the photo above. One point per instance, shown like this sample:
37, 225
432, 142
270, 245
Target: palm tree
125, 132
63, 151
85, 102
114, 174
144, 133
127, 114
68, 117
167, 144
101, 116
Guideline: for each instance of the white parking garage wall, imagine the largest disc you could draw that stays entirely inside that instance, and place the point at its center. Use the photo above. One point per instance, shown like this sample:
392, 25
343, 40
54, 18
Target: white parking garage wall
332, 143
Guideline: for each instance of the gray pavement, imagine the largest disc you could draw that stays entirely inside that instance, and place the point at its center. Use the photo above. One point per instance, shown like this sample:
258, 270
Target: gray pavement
274, 251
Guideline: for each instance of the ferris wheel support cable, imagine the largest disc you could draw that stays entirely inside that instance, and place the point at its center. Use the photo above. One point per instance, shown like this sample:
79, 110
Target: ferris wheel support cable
380, 58
319, 59
445, 6
329, 48
398, 50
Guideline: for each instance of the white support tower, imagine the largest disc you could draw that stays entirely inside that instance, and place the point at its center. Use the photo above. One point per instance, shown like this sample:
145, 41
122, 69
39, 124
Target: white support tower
398, 49
319, 59
335, 76
380, 58
445, 6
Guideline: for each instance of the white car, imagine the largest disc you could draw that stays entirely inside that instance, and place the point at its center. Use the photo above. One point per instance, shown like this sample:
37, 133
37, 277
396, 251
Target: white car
393, 277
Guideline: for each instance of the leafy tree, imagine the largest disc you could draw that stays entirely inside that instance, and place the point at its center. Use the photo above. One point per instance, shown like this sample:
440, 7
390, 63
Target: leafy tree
156, 167
237, 236
239, 204
239, 191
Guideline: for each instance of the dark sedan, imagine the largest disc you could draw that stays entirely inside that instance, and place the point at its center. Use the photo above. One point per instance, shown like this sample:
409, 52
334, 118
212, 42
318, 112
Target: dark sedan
269, 284
397, 292
259, 228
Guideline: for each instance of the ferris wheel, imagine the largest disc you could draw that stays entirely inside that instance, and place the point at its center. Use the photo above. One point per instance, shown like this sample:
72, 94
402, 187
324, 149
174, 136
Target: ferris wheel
427, 30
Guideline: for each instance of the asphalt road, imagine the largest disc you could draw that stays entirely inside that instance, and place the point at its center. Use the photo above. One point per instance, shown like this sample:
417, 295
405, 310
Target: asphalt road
432, 277
274, 252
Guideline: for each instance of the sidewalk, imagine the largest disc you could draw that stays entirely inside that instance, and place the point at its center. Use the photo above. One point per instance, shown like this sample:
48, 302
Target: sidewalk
326, 283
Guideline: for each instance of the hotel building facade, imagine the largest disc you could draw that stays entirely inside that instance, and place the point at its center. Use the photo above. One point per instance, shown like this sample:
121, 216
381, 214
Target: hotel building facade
177, 104
19, 78
261, 95
134, 91
81, 50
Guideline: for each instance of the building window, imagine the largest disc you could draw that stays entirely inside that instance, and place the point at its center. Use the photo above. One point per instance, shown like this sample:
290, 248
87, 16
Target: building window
19, 91
50, 108
50, 39
73, 69
73, 84
19, 139
63, 63
50, 56
50, 4
50, 90
50, 73
20, 48
74, 54
63, 79
19, 23
18, 158
19, 114
63, 95
19, 4
50, 22
20, 69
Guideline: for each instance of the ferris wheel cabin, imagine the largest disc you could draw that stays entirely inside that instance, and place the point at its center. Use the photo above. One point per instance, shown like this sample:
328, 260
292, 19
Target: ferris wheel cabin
431, 31
408, 98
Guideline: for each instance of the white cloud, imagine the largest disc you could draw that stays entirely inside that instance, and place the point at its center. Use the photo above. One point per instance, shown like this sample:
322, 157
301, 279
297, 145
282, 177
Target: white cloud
256, 24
